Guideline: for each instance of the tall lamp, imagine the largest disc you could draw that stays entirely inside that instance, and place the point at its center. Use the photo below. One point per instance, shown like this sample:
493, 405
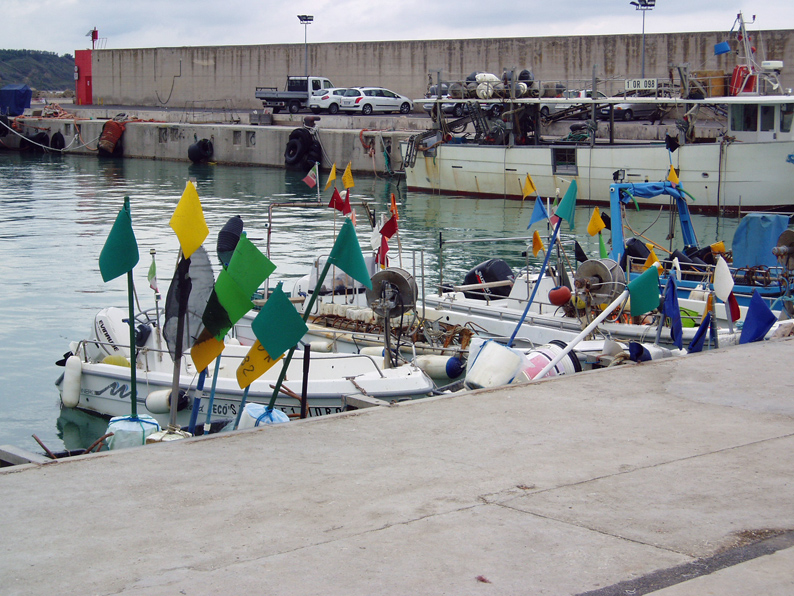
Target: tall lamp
306, 20
643, 5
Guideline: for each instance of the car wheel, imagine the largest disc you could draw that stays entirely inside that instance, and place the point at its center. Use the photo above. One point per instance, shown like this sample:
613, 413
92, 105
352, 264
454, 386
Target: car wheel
405, 108
294, 107
315, 110
544, 112
366, 109
628, 115
458, 110
333, 109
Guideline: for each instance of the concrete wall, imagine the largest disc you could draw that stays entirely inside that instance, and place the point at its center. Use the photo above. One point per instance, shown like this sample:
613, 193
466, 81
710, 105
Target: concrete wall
227, 76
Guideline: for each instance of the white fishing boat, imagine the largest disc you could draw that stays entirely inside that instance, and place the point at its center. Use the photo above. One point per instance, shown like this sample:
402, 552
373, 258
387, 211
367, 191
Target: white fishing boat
747, 166
97, 377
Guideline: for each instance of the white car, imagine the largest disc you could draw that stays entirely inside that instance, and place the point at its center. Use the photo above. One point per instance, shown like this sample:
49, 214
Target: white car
367, 100
327, 100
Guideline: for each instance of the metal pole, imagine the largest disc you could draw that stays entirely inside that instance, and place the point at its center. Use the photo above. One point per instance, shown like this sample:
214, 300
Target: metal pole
306, 51
643, 44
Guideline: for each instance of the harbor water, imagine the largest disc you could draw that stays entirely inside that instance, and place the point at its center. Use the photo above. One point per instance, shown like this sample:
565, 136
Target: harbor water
56, 212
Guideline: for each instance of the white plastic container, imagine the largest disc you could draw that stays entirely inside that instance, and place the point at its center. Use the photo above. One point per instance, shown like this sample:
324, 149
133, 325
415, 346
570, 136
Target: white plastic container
129, 432
256, 415
491, 364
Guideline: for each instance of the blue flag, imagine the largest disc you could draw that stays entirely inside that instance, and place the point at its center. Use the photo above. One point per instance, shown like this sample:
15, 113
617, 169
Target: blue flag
758, 320
696, 345
672, 312
538, 213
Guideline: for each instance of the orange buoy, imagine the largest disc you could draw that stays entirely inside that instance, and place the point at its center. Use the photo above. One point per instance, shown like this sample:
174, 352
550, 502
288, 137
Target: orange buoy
111, 133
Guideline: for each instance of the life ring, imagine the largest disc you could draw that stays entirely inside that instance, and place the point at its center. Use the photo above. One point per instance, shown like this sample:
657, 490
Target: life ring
295, 152
57, 142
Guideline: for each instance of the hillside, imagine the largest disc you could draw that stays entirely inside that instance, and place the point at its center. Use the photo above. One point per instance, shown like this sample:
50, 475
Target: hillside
40, 71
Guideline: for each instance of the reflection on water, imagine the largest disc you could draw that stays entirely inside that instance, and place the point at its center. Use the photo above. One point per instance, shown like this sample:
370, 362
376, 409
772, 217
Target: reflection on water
56, 212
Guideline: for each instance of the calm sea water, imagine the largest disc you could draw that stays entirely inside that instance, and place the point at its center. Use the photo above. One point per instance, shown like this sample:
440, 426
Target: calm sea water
56, 212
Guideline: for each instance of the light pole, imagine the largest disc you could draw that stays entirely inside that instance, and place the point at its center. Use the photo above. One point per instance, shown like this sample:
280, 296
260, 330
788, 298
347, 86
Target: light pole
306, 20
643, 5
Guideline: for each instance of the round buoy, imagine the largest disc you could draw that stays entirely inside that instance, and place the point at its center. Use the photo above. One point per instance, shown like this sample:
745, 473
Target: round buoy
559, 295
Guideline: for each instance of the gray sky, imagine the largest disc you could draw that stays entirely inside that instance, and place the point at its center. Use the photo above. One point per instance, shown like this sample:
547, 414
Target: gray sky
61, 25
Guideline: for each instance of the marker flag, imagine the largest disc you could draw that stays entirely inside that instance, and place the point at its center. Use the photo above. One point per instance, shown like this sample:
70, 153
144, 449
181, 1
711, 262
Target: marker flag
602, 248
336, 201
151, 277
347, 177
652, 258
568, 205
346, 254
673, 177
278, 326
331, 177
120, 252
539, 213
673, 312
393, 207
389, 229
346, 210
188, 221
529, 187
644, 292
596, 224
537, 244
696, 345
758, 320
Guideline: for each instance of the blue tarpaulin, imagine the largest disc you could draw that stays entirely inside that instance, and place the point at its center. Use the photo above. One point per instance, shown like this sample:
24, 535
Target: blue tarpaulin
755, 238
14, 99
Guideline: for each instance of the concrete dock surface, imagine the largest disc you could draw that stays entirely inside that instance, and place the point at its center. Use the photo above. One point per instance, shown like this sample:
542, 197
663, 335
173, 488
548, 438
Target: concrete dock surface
671, 477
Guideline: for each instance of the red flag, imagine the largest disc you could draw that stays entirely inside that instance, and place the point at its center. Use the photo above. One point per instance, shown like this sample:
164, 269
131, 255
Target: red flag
389, 228
337, 202
311, 177
733, 306
346, 205
381, 258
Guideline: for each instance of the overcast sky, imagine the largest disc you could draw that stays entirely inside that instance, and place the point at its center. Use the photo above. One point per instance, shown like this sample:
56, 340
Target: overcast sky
60, 26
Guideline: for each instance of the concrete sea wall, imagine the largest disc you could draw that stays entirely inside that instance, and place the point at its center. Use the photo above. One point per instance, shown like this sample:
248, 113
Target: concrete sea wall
228, 75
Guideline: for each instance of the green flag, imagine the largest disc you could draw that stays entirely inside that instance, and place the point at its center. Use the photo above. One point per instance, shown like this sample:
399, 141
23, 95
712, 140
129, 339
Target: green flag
346, 254
278, 326
644, 292
120, 253
568, 205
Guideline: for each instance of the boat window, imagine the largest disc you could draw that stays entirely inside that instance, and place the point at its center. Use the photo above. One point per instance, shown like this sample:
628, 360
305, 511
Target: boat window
564, 160
767, 117
744, 117
786, 116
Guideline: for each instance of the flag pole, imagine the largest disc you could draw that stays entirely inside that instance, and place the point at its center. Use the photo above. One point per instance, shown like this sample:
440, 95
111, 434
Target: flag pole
317, 165
133, 346
288, 357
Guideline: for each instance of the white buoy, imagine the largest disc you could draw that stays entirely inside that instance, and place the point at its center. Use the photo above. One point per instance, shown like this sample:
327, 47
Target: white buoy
440, 367
70, 393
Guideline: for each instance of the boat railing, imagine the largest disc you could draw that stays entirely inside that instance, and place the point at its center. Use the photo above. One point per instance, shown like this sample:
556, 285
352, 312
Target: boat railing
146, 350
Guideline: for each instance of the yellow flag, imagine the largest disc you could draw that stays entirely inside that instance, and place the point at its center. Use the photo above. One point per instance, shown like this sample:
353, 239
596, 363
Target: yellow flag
650, 260
529, 187
188, 221
537, 244
205, 350
256, 363
672, 176
596, 223
331, 176
347, 177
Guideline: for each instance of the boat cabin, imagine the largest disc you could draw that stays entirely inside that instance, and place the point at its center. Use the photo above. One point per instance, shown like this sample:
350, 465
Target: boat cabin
761, 120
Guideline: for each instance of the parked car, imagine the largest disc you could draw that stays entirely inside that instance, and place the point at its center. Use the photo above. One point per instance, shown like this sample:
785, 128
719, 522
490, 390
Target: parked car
552, 108
456, 109
327, 100
629, 111
367, 100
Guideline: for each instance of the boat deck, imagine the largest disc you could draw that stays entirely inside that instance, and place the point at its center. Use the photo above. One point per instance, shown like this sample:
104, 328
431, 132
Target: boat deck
671, 476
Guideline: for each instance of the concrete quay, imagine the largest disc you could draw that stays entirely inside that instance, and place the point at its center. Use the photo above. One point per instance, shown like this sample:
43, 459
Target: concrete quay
672, 477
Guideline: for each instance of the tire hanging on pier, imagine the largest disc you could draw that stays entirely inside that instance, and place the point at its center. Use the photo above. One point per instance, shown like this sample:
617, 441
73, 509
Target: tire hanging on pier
302, 150
200, 151
109, 144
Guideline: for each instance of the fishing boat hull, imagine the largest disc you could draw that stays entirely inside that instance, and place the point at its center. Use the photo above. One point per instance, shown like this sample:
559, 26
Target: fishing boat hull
720, 176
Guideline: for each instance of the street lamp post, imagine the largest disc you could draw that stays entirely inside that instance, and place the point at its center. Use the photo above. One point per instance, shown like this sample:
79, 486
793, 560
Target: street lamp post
643, 5
306, 20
